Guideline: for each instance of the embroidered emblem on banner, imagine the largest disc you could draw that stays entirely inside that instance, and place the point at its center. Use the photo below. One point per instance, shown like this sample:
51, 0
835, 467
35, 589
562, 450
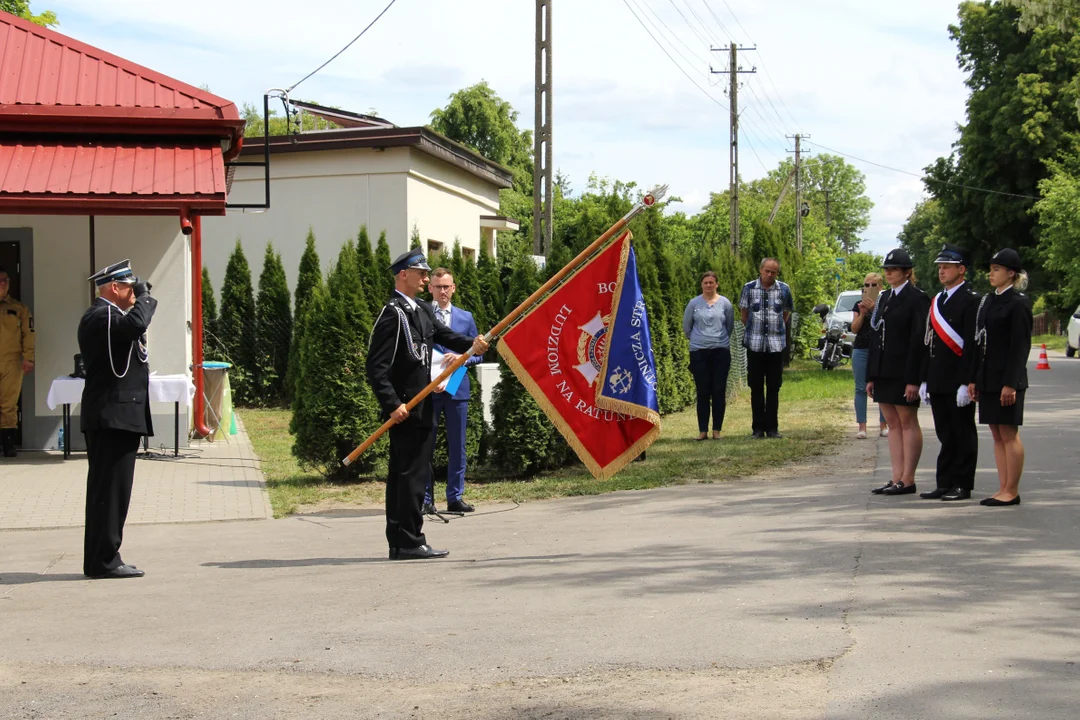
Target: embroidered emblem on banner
590, 349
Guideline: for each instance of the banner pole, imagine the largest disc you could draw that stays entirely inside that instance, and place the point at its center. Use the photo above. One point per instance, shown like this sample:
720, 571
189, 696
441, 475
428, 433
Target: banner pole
650, 199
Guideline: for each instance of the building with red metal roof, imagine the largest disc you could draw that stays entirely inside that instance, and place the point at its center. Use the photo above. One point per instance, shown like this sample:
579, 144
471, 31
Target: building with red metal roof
102, 159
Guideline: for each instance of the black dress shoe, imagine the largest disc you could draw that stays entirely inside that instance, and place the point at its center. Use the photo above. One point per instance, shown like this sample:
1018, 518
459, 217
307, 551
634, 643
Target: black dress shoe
934, 494
459, 506
957, 494
994, 502
758, 435
429, 509
774, 435
899, 489
883, 488
424, 552
123, 571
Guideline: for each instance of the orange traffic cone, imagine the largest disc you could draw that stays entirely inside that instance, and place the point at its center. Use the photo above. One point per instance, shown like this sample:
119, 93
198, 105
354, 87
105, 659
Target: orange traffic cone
1044, 362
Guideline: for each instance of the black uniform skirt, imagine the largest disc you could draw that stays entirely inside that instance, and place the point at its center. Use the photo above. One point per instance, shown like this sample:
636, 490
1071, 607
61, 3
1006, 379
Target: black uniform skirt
992, 413
891, 392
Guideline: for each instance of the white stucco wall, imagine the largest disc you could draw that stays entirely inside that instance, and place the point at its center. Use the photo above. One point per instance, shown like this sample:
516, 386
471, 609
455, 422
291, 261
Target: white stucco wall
61, 263
445, 203
332, 193
335, 192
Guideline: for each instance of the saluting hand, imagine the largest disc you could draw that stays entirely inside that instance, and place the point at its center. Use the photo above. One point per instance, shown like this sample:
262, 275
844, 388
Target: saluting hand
400, 413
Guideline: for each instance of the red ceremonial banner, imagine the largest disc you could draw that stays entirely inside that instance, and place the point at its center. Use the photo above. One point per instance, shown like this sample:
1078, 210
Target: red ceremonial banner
557, 352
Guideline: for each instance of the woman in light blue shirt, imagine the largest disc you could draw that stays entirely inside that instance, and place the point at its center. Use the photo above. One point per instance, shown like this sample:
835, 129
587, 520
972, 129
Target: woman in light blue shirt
708, 322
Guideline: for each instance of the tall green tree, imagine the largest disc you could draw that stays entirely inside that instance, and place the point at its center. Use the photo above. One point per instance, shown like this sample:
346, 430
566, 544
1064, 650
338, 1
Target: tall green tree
479, 119
211, 343
370, 275
21, 8
922, 237
1034, 13
335, 408
1021, 109
309, 275
1060, 222
236, 326
383, 277
273, 330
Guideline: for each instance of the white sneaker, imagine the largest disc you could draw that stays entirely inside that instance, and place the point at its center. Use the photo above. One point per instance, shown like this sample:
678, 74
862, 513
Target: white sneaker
861, 435
884, 432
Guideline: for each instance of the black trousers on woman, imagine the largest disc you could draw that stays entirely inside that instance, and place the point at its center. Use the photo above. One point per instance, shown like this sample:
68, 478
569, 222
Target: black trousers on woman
710, 369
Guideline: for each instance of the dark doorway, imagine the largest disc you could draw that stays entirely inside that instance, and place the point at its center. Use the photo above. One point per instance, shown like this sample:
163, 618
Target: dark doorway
9, 260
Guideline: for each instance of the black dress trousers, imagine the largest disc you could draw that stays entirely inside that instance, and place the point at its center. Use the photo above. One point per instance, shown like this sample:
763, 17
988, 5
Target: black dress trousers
111, 457
959, 438
765, 375
410, 466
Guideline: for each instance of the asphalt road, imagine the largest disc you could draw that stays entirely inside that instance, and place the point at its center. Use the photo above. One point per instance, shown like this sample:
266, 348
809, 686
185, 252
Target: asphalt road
791, 597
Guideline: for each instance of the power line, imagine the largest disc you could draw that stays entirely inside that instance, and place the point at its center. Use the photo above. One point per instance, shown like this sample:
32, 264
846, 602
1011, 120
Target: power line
705, 41
737, 21
342, 49
719, 22
923, 177
672, 32
681, 69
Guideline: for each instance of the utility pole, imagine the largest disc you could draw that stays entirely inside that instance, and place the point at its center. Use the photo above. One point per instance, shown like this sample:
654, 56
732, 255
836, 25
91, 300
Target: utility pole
798, 191
542, 182
733, 72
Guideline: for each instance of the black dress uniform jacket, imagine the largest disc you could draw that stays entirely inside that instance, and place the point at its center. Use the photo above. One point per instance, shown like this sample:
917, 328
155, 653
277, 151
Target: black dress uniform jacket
399, 356
898, 349
1004, 334
109, 402
944, 370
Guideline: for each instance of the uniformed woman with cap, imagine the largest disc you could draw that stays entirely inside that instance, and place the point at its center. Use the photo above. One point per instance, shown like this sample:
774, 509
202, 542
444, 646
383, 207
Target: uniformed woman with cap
1003, 337
894, 372
398, 368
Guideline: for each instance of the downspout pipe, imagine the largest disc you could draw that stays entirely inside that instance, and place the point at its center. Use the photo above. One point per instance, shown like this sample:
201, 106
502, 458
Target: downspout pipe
198, 406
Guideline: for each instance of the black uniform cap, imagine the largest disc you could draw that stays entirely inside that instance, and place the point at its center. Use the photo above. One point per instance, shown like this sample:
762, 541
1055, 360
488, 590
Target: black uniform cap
118, 272
1008, 258
897, 258
952, 254
412, 259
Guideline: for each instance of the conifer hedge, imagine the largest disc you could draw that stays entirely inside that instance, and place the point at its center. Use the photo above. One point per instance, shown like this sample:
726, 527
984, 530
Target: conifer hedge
236, 327
273, 331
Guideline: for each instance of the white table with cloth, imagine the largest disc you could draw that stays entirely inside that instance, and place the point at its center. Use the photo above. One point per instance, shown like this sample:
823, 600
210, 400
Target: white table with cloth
67, 391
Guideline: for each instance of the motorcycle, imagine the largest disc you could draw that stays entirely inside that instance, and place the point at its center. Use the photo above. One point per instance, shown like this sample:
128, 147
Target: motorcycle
834, 348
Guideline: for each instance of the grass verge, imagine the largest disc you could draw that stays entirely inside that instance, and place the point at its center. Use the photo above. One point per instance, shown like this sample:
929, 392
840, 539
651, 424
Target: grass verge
815, 409
1052, 342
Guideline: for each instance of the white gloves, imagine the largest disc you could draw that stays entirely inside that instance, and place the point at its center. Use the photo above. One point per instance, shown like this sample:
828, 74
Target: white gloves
924, 395
963, 397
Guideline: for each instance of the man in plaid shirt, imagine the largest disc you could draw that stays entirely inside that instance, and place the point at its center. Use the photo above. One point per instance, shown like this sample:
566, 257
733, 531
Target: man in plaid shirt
766, 307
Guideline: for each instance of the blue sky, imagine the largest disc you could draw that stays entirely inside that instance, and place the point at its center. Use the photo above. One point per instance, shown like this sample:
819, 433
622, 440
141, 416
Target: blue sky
875, 80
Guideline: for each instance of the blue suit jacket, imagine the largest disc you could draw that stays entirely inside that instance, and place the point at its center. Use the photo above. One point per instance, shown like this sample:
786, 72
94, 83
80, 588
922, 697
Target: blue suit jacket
462, 321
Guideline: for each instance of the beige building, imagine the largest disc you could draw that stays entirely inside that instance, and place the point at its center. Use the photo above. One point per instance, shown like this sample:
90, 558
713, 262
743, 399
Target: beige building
371, 173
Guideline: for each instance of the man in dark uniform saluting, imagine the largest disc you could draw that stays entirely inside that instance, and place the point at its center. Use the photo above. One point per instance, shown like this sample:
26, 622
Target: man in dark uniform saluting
398, 368
115, 410
948, 368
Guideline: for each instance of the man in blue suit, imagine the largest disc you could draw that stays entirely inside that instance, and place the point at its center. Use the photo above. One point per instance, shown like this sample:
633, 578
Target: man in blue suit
454, 408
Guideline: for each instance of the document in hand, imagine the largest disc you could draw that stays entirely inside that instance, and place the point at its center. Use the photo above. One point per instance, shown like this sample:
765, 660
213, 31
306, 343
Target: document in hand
451, 383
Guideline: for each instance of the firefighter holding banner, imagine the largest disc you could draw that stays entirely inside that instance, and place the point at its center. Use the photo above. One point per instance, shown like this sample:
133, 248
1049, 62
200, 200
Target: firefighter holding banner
950, 338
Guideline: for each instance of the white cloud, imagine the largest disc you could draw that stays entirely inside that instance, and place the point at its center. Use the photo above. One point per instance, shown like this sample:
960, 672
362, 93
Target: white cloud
875, 80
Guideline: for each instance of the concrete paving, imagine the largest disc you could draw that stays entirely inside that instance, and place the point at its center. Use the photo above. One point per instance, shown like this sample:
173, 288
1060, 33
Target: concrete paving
803, 597
207, 482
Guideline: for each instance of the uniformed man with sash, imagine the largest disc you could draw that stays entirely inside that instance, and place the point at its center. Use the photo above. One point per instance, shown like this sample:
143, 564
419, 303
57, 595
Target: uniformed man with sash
950, 337
115, 410
398, 368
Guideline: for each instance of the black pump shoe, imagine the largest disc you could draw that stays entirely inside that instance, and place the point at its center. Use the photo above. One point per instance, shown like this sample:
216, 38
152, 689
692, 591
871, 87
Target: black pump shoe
994, 502
899, 489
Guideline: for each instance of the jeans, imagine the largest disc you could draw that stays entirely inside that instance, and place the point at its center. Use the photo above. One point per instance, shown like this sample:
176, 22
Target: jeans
859, 359
710, 369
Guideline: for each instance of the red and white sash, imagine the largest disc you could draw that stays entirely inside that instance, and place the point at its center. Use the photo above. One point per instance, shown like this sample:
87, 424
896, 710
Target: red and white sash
944, 330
